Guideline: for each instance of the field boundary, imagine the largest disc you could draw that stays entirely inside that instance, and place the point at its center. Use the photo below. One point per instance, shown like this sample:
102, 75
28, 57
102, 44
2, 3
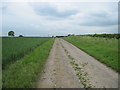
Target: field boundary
27, 70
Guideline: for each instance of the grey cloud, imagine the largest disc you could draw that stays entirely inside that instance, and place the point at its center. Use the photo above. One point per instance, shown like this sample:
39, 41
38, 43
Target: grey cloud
4, 9
98, 23
99, 14
48, 10
98, 19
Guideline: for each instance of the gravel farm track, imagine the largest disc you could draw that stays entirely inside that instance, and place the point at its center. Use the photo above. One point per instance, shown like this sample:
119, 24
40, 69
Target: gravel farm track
69, 67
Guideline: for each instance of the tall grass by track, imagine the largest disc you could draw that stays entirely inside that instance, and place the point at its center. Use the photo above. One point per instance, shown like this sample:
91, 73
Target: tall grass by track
14, 48
103, 49
24, 72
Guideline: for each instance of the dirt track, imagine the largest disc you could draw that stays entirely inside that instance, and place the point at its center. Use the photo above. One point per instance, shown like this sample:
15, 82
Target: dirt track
69, 67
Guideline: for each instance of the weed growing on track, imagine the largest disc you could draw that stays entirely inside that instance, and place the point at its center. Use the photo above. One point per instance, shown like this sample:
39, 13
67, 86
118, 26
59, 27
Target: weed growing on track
80, 73
103, 49
24, 72
15, 48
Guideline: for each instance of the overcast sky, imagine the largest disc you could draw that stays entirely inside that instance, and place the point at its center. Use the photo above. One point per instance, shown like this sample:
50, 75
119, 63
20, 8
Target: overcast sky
59, 18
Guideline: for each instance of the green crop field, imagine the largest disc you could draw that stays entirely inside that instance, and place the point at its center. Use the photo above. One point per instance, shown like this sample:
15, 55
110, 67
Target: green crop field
14, 48
103, 49
24, 72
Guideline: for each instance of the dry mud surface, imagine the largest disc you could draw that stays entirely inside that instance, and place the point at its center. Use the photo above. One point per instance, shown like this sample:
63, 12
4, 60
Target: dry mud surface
69, 67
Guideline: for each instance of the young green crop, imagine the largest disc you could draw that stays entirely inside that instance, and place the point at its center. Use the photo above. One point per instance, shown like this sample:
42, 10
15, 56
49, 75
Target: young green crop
103, 49
24, 72
15, 48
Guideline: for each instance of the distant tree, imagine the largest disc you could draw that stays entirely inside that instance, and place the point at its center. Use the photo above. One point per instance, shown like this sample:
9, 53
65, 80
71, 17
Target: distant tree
20, 35
69, 34
11, 33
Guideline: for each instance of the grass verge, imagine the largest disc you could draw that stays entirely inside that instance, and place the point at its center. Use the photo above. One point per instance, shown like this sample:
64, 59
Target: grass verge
103, 49
24, 72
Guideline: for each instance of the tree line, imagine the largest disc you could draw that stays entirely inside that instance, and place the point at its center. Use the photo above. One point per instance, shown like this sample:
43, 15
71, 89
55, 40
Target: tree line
117, 36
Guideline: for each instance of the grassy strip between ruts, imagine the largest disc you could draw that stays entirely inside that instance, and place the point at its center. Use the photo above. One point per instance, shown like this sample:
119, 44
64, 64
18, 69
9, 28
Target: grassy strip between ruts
24, 72
103, 49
